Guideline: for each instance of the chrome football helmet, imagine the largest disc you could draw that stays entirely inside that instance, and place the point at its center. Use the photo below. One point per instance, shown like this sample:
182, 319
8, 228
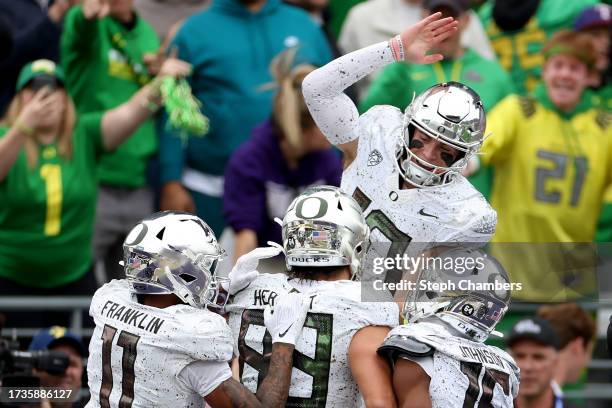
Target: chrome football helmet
466, 288
174, 252
451, 113
324, 226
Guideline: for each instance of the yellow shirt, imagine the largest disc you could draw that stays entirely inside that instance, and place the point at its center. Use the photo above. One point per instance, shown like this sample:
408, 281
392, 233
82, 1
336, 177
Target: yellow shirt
551, 172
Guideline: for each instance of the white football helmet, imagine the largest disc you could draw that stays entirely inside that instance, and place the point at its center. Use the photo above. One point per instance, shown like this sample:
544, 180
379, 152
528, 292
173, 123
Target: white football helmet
324, 226
468, 290
451, 113
174, 252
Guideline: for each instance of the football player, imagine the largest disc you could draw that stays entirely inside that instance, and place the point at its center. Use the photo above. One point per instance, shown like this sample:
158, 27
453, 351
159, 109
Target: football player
335, 364
155, 343
404, 168
438, 357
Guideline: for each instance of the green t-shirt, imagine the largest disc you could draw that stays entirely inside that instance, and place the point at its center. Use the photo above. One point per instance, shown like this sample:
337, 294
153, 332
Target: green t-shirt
398, 82
519, 52
101, 75
47, 212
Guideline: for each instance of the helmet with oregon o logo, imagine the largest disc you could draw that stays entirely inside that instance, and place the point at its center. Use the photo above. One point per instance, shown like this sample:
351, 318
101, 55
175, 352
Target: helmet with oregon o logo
174, 252
324, 226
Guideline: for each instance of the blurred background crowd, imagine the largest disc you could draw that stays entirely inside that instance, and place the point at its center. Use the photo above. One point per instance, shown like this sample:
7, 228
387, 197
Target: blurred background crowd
85, 153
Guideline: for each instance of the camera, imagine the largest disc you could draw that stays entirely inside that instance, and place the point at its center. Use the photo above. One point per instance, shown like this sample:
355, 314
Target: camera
17, 367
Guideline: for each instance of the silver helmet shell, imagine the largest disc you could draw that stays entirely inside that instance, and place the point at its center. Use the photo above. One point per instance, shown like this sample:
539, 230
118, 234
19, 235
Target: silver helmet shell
466, 288
324, 226
451, 113
173, 252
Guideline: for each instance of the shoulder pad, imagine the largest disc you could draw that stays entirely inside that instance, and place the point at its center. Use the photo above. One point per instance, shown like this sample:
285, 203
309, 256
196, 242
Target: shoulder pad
528, 105
396, 346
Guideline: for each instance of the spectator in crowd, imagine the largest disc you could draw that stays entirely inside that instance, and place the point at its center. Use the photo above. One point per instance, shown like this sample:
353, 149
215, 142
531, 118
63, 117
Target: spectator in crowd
102, 52
163, 14
228, 78
535, 347
58, 338
518, 29
378, 20
48, 182
29, 21
596, 21
553, 151
576, 330
284, 156
399, 82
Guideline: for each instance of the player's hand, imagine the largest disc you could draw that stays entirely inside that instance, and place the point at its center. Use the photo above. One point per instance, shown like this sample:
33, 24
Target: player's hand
176, 197
419, 39
286, 319
245, 270
43, 104
96, 8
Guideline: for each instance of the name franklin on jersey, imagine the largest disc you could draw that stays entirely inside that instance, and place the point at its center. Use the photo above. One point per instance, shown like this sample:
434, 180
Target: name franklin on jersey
141, 320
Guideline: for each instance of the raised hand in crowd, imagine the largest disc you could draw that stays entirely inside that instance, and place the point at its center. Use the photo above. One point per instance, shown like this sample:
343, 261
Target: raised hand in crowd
59, 8
96, 8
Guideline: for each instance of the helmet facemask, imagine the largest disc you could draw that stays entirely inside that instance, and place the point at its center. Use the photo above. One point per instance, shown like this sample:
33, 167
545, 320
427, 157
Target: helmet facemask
160, 258
473, 313
449, 113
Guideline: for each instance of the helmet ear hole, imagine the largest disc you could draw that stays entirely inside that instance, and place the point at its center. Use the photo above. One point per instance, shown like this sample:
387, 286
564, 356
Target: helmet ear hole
340, 205
160, 234
358, 248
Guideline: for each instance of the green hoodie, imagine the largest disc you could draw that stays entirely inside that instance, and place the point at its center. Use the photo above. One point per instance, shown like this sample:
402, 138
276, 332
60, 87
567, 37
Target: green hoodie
103, 64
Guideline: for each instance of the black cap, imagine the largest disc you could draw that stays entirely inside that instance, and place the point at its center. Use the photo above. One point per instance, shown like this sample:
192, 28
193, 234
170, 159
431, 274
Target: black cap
458, 6
534, 328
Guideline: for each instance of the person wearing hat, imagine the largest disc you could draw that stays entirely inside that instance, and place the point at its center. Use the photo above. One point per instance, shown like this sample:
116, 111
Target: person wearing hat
48, 179
551, 154
595, 21
535, 347
399, 82
518, 30
58, 338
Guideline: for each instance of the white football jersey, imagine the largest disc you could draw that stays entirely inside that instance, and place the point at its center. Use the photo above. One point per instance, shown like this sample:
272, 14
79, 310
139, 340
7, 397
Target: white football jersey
137, 351
321, 376
463, 373
421, 217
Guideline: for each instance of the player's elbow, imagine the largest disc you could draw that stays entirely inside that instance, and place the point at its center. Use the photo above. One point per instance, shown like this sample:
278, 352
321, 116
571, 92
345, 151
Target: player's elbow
309, 88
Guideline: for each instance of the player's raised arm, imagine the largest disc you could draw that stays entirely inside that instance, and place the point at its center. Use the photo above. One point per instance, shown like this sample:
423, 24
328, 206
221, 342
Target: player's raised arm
335, 114
285, 324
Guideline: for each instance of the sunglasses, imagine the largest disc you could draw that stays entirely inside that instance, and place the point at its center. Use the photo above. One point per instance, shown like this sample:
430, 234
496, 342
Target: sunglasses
37, 83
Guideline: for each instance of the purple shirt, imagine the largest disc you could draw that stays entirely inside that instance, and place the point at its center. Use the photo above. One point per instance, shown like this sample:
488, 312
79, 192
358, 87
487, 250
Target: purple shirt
260, 186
